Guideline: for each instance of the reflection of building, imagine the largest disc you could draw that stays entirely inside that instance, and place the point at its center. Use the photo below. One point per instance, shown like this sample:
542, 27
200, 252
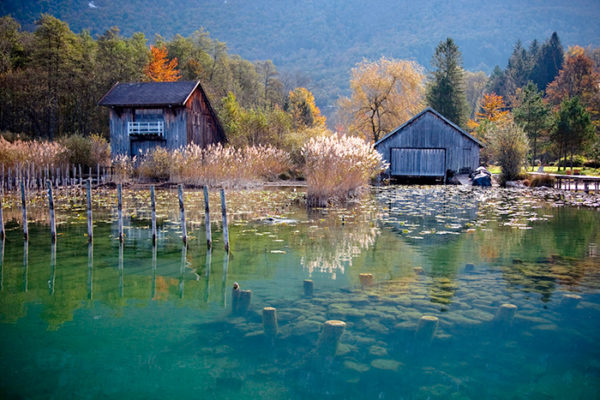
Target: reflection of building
429, 145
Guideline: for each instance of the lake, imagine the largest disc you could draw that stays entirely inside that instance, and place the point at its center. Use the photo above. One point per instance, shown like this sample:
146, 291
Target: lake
141, 322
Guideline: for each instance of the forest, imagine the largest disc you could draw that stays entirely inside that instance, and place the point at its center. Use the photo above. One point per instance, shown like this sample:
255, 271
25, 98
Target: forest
322, 40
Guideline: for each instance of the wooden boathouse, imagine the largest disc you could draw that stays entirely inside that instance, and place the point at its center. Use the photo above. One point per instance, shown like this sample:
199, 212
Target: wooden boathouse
429, 146
144, 115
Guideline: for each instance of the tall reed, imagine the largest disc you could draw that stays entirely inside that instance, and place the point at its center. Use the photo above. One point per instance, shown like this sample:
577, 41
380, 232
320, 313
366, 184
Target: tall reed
338, 167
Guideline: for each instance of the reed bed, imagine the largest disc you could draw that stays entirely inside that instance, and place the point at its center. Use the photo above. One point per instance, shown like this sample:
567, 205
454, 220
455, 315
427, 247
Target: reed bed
214, 165
338, 167
40, 154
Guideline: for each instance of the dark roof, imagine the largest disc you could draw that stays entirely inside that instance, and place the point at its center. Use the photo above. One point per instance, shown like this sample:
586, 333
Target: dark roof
419, 115
149, 94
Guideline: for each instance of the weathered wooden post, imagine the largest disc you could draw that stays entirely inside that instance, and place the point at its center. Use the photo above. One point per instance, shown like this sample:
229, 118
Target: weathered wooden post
25, 265
182, 213
235, 298
89, 211
224, 214
270, 321
1, 222
80, 175
1, 264
245, 300
121, 272
426, 328
182, 270
153, 271
97, 174
90, 270
51, 208
505, 314
120, 212
365, 279
52, 279
208, 266
308, 287
153, 204
329, 338
24, 207
207, 218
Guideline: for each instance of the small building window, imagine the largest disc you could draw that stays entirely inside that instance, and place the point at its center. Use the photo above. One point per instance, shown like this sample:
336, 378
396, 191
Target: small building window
149, 122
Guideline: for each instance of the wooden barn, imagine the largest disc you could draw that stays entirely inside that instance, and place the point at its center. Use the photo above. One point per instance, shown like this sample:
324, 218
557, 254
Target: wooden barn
429, 146
144, 115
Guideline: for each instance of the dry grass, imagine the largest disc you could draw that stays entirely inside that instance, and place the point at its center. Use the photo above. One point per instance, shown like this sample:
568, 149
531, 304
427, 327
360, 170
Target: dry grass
19, 154
214, 165
338, 167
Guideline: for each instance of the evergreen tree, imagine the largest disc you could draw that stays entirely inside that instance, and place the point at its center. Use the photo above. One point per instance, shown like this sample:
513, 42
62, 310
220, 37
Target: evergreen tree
446, 92
532, 114
548, 62
573, 129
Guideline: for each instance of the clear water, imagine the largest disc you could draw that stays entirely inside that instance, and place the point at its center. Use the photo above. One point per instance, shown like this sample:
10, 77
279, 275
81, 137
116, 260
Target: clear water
111, 322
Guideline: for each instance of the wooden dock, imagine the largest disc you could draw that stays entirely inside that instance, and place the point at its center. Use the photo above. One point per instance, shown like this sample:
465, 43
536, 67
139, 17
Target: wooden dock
573, 182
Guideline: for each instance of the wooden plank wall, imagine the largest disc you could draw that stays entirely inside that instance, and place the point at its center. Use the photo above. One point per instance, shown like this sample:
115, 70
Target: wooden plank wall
431, 132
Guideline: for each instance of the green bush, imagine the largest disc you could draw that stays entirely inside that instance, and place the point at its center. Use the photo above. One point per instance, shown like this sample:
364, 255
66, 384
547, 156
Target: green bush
578, 161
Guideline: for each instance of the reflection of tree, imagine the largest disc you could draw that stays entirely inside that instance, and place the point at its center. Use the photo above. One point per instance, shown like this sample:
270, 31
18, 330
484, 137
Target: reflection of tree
337, 238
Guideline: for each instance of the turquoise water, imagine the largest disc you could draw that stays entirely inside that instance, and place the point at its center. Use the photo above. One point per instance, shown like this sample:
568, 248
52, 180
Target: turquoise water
131, 321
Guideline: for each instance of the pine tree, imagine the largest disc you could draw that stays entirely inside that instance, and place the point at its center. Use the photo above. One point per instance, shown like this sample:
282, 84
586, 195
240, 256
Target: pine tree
573, 129
446, 93
532, 114
548, 62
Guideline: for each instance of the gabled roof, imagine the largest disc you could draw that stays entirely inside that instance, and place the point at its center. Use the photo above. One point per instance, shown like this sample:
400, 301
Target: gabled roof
418, 116
149, 94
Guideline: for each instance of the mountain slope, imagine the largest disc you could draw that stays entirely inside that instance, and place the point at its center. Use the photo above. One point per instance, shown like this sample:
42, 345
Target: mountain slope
325, 38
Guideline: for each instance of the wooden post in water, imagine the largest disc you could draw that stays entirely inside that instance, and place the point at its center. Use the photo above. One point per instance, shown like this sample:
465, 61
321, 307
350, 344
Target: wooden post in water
90, 270
52, 279
120, 212
153, 270
1, 222
80, 175
89, 211
121, 283
207, 219
24, 207
329, 338
97, 174
270, 321
224, 213
182, 212
51, 208
153, 203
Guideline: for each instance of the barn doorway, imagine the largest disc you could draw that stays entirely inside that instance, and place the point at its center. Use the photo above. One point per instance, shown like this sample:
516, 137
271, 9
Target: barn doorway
418, 162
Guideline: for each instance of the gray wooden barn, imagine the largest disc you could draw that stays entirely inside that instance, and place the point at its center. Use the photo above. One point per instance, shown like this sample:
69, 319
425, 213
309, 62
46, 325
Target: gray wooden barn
429, 145
144, 115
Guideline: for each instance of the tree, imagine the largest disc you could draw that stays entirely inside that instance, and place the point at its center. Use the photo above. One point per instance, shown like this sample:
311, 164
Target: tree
446, 93
509, 146
475, 83
532, 114
159, 68
301, 107
578, 78
547, 63
384, 94
573, 129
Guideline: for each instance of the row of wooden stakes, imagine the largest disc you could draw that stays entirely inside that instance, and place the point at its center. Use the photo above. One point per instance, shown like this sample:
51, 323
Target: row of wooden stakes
120, 214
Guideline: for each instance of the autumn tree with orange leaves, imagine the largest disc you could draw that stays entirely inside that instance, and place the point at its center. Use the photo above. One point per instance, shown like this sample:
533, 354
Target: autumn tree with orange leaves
160, 69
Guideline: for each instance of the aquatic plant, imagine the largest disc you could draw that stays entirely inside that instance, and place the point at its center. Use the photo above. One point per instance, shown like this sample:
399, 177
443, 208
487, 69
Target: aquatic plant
338, 167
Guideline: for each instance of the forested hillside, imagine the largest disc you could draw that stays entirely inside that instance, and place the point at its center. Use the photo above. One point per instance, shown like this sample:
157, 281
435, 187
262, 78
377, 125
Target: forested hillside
324, 39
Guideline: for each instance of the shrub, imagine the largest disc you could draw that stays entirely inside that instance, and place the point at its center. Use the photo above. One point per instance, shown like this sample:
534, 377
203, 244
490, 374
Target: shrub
592, 164
509, 146
99, 151
578, 161
542, 180
155, 165
337, 167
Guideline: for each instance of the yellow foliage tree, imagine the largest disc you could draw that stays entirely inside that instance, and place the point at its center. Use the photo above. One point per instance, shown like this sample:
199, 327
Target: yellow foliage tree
493, 109
159, 68
385, 93
301, 106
